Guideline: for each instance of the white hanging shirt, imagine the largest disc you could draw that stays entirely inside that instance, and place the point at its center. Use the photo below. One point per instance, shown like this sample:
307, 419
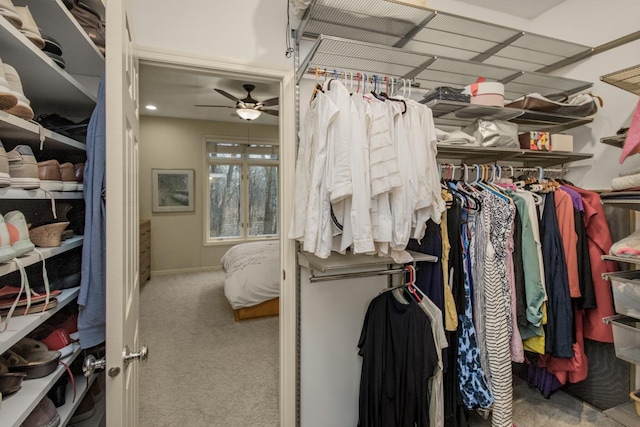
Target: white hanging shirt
318, 212
438, 205
360, 211
403, 197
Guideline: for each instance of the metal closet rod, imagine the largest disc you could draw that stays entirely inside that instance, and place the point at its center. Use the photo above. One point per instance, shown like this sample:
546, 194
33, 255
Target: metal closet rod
500, 168
353, 77
313, 278
503, 167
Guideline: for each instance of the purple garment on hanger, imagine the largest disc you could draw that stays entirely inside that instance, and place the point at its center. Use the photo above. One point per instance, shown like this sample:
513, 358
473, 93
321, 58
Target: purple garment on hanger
575, 197
543, 380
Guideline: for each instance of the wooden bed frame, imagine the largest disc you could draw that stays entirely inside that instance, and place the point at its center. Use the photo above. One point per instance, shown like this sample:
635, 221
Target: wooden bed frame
268, 308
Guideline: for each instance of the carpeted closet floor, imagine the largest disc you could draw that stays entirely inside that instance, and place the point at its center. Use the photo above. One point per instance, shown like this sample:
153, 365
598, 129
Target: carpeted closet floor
207, 370
204, 368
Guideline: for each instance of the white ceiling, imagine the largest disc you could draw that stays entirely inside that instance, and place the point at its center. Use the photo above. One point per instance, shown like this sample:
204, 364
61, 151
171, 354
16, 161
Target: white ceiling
176, 91
527, 9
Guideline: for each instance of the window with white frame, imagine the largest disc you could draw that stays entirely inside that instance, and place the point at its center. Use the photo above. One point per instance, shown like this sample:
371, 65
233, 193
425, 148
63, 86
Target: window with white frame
242, 187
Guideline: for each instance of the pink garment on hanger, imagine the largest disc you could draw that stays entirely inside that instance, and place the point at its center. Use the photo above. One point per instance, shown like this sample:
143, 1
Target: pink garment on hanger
632, 142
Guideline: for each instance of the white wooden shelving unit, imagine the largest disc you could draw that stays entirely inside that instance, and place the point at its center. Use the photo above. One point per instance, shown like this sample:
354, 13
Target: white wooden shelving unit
70, 92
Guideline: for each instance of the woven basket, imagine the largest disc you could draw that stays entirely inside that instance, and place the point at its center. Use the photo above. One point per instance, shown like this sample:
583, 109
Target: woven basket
635, 396
48, 235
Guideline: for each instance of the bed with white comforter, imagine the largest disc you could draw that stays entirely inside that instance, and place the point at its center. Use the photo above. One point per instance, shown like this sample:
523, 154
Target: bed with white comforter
252, 273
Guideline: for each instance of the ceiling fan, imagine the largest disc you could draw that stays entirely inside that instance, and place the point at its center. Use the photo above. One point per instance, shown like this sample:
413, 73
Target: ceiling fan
247, 108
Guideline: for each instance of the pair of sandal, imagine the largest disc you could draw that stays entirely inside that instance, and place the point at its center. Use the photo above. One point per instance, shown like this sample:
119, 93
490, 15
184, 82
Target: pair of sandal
25, 360
31, 357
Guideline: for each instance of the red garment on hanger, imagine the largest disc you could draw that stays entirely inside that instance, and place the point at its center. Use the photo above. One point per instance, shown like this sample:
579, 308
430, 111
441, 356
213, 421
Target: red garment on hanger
600, 241
576, 368
567, 226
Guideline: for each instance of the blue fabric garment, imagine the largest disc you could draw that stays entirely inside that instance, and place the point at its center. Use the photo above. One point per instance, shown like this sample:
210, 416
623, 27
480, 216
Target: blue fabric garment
92, 298
474, 388
429, 276
559, 331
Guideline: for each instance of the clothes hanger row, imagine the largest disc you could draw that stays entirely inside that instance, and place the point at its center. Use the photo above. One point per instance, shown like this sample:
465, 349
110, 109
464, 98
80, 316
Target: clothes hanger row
354, 80
490, 178
494, 172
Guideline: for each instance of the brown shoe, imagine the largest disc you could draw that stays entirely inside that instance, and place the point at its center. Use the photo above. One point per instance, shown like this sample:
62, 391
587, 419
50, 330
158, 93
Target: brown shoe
79, 167
68, 173
49, 174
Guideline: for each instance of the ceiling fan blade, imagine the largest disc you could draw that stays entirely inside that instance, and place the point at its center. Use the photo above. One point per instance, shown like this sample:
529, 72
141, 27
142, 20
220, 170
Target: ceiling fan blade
227, 94
214, 106
271, 112
270, 102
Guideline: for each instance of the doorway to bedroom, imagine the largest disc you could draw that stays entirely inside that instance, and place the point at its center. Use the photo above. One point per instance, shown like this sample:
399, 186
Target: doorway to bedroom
213, 333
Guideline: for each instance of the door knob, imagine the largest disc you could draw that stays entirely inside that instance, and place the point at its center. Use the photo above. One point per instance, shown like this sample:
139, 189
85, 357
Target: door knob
90, 364
142, 355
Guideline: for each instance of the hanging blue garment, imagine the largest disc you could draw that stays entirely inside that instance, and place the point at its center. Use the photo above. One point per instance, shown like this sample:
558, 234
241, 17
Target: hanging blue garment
559, 333
429, 277
92, 297
474, 387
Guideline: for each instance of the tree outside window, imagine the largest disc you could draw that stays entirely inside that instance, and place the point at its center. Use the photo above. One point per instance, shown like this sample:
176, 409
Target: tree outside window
243, 191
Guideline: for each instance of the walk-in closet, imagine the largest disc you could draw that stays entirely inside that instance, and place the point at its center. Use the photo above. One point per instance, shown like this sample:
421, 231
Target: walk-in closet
360, 213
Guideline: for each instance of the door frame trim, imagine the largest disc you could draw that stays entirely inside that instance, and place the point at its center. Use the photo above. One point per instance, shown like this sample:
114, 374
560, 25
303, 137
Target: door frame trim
286, 78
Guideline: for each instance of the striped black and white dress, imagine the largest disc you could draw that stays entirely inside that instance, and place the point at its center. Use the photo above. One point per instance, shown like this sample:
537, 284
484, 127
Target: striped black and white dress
497, 216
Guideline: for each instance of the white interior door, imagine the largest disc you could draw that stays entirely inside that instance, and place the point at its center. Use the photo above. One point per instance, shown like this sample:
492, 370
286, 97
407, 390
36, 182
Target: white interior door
122, 218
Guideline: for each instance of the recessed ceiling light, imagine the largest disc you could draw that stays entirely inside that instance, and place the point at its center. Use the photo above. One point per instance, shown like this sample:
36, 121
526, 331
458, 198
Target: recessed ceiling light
151, 107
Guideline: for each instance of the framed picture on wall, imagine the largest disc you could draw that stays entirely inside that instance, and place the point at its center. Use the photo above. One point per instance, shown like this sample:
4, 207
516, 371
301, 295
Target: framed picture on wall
172, 190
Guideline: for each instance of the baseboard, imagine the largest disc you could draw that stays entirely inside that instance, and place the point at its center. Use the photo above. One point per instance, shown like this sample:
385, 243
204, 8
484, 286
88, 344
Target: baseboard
185, 270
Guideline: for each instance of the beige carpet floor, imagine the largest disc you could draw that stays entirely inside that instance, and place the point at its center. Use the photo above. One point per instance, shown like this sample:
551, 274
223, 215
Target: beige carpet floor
204, 368
207, 370
530, 409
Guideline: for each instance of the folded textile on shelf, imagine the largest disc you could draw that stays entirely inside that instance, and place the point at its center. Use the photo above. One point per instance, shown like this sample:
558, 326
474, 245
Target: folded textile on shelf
629, 246
582, 105
625, 182
456, 137
445, 93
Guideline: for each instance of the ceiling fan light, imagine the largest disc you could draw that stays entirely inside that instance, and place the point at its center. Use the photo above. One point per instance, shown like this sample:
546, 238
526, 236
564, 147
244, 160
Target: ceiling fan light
248, 113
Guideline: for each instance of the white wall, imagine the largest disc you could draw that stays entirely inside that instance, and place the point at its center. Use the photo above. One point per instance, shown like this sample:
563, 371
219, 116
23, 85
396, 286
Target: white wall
177, 237
251, 31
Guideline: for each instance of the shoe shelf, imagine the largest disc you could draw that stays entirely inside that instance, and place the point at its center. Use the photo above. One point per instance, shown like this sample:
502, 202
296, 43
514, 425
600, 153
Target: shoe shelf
20, 326
20, 131
627, 79
48, 87
615, 141
17, 407
461, 114
33, 258
82, 387
18, 193
81, 56
478, 154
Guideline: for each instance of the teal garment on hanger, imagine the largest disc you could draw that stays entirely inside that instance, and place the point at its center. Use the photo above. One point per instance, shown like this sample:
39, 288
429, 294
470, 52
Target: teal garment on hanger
534, 291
